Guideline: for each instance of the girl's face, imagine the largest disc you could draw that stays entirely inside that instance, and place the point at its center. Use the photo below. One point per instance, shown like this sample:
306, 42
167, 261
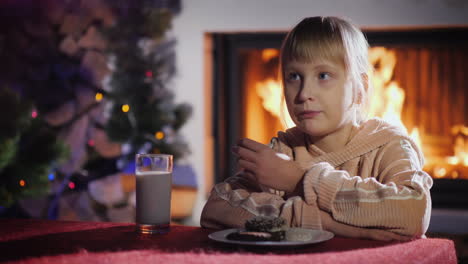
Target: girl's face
318, 95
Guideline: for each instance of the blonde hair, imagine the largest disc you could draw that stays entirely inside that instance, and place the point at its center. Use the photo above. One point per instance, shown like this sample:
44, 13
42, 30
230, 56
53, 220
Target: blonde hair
331, 38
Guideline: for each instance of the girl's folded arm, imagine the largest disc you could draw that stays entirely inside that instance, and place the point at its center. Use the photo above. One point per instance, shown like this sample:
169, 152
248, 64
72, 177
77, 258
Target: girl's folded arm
397, 199
234, 201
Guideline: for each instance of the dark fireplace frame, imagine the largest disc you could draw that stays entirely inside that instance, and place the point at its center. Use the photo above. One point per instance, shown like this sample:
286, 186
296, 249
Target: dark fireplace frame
227, 97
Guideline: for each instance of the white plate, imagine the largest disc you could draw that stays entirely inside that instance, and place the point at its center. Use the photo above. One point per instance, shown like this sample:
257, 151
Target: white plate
317, 236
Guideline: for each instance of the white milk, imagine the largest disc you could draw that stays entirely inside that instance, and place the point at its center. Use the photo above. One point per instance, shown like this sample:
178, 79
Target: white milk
153, 197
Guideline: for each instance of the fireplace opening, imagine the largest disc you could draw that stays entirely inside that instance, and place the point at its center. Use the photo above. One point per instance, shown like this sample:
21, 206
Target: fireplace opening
419, 81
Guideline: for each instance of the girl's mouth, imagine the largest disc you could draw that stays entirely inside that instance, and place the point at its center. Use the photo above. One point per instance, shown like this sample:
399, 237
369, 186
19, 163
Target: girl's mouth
308, 114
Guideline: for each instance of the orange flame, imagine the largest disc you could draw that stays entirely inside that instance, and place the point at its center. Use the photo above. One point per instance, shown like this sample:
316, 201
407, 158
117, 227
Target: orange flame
461, 146
416, 137
268, 54
273, 101
387, 98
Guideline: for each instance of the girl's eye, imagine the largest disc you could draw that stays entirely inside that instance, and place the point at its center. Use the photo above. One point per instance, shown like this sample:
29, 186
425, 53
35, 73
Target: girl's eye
324, 76
294, 76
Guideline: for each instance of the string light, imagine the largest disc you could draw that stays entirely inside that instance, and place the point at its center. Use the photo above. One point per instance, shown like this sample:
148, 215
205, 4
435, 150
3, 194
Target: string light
99, 97
91, 143
51, 176
34, 114
71, 185
22, 183
149, 74
159, 135
125, 108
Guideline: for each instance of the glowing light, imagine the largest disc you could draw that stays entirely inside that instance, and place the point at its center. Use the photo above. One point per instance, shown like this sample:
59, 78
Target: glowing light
387, 102
416, 137
273, 101
395, 96
149, 74
125, 108
452, 160
387, 98
460, 129
22, 183
91, 143
460, 148
440, 172
99, 96
71, 185
34, 114
268, 54
159, 135
156, 151
51, 177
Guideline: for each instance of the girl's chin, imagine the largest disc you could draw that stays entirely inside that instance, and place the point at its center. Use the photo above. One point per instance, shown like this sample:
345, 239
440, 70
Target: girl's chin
311, 130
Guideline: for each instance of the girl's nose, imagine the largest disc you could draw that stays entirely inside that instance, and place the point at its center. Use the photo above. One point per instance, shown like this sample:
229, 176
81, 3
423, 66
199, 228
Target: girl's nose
307, 92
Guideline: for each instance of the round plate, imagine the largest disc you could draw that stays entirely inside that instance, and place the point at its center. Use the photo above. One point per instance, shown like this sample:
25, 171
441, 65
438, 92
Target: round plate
317, 236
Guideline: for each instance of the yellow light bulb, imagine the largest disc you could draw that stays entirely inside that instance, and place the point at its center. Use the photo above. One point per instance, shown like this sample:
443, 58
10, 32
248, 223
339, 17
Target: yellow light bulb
125, 108
99, 96
159, 135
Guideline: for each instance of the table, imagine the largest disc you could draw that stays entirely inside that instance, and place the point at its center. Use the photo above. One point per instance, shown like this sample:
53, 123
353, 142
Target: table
48, 241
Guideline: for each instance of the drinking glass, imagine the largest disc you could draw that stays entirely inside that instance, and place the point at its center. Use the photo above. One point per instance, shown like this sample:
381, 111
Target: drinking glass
153, 193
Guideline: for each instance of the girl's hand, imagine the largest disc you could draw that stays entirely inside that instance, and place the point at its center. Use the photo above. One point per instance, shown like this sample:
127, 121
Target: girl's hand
269, 169
328, 223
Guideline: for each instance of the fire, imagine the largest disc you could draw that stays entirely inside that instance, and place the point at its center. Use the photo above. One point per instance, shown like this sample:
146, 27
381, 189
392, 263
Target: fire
440, 172
461, 146
415, 136
394, 98
273, 101
387, 98
270, 92
268, 54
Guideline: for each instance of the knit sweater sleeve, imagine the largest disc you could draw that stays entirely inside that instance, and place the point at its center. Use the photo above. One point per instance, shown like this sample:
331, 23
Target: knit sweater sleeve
396, 197
239, 198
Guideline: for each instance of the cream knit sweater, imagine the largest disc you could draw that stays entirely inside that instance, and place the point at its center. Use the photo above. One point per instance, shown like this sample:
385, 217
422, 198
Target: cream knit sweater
375, 181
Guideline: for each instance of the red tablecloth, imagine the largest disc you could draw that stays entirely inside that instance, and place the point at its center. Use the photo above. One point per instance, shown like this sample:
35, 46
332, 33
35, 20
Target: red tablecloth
45, 241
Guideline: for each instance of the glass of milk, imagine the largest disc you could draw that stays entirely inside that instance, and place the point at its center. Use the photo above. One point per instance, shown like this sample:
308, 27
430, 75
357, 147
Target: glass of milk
153, 193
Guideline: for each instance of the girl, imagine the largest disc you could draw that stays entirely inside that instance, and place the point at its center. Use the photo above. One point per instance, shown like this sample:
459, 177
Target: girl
334, 170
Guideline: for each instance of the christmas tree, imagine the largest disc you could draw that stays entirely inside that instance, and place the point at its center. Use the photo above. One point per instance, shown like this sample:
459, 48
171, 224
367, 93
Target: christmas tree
28, 149
142, 112
97, 75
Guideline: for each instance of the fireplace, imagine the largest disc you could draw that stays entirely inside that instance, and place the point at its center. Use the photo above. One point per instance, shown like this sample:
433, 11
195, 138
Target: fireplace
419, 80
